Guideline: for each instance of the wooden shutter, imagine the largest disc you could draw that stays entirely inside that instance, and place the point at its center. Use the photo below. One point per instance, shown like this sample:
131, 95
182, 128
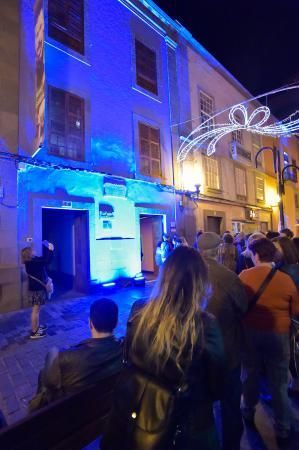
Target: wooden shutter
146, 67
66, 23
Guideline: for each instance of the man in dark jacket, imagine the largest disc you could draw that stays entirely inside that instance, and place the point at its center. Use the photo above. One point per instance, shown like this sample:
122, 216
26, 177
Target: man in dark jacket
228, 303
89, 362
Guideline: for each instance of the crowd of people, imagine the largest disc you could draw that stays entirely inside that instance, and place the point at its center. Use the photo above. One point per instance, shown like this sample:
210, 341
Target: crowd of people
218, 320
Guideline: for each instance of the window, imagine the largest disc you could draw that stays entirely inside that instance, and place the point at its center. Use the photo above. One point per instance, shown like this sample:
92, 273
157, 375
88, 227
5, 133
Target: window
150, 150
296, 200
146, 67
237, 136
66, 23
212, 173
206, 104
291, 172
294, 171
66, 124
241, 188
260, 189
256, 146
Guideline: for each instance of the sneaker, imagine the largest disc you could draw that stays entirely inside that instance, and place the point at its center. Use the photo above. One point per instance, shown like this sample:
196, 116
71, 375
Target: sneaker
38, 334
43, 327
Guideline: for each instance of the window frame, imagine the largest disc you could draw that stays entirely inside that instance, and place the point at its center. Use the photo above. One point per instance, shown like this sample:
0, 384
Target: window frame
67, 134
258, 177
239, 194
143, 88
208, 173
62, 34
206, 114
139, 123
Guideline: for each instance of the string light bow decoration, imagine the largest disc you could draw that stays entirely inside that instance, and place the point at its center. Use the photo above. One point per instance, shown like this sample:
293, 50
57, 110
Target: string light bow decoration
211, 133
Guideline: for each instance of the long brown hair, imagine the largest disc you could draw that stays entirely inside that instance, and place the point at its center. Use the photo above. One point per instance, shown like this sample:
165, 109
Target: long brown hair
170, 324
288, 249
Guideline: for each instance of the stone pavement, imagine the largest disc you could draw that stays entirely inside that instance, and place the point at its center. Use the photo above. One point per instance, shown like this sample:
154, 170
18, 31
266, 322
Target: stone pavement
22, 358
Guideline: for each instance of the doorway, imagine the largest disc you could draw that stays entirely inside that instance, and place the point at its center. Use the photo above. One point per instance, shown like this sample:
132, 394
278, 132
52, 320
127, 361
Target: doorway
151, 230
68, 231
214, 224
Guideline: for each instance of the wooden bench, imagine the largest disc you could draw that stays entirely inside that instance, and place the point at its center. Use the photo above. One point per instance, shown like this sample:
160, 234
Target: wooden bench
67, 424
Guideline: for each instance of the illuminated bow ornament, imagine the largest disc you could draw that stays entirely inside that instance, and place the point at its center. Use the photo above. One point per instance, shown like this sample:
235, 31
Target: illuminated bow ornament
239, 120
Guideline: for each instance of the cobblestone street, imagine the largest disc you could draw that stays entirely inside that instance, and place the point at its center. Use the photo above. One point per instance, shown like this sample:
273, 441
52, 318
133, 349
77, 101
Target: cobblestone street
21, 358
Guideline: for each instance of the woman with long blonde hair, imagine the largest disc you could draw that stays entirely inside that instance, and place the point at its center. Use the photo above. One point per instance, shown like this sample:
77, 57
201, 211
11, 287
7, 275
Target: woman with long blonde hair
170, 339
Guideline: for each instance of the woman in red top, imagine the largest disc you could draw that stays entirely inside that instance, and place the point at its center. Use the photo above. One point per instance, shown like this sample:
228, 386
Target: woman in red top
267, 327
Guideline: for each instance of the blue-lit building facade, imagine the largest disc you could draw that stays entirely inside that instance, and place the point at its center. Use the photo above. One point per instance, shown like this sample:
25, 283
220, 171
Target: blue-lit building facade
95, 124
96, 98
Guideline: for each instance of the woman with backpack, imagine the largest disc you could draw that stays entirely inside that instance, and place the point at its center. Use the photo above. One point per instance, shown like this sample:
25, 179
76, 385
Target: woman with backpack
175, 365
39, 284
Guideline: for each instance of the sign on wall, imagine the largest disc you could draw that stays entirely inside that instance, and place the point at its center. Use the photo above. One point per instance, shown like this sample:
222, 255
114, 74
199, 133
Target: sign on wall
39, 30
116, 219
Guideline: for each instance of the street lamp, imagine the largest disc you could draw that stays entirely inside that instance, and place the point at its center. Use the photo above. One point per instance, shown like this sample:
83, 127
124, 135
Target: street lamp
279, 173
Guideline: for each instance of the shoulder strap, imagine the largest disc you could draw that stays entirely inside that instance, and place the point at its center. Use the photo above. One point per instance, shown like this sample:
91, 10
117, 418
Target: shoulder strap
36, 279
261, 289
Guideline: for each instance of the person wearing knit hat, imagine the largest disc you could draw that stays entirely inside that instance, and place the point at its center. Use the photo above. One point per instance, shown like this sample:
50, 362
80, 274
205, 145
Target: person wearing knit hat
228, 303
208, 240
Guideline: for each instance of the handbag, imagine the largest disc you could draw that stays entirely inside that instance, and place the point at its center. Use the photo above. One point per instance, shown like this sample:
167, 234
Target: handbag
48, 286
294, 359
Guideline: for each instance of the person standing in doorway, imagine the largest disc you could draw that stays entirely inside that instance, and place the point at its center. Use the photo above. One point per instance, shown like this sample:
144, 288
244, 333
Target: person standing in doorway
36, 269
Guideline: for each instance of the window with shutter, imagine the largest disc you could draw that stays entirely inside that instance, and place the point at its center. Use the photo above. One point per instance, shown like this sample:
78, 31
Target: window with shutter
241, 188
260, 189
149, 150
237, 135
66, 124
66, 23
146, 67
212, 173
206, 104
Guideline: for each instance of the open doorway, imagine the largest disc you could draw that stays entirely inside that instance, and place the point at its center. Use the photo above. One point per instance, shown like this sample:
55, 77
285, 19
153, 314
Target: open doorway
151, 230
68, 230
214, 224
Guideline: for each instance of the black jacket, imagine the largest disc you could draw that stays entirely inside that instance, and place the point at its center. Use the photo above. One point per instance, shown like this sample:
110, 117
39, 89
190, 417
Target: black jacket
37, 267
228, 303
206, 374
83, 365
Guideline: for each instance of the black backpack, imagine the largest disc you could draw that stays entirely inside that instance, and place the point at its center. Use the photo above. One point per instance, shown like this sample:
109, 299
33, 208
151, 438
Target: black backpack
145, 414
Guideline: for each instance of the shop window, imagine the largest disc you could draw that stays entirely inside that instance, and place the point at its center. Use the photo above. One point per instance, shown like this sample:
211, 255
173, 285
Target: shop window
241, 187
66, 125
212, 177
260, 189
149, 150
207, 107
66, 23
146, 67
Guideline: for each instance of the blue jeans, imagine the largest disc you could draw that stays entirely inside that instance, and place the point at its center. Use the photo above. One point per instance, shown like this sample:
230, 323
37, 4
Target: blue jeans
269, 352
232, 424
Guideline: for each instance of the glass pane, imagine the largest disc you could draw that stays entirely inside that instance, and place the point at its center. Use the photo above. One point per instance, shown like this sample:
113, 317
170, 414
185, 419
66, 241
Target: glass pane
144, 148
155, 151
145, 166
156, 172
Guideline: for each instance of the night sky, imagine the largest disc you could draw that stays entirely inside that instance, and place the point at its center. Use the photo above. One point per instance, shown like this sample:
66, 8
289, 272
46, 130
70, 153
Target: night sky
257, 41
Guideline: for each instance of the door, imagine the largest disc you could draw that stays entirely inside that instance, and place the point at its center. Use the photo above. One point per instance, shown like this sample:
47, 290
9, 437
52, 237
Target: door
151, 229
68, 230
214, 224
81, 251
